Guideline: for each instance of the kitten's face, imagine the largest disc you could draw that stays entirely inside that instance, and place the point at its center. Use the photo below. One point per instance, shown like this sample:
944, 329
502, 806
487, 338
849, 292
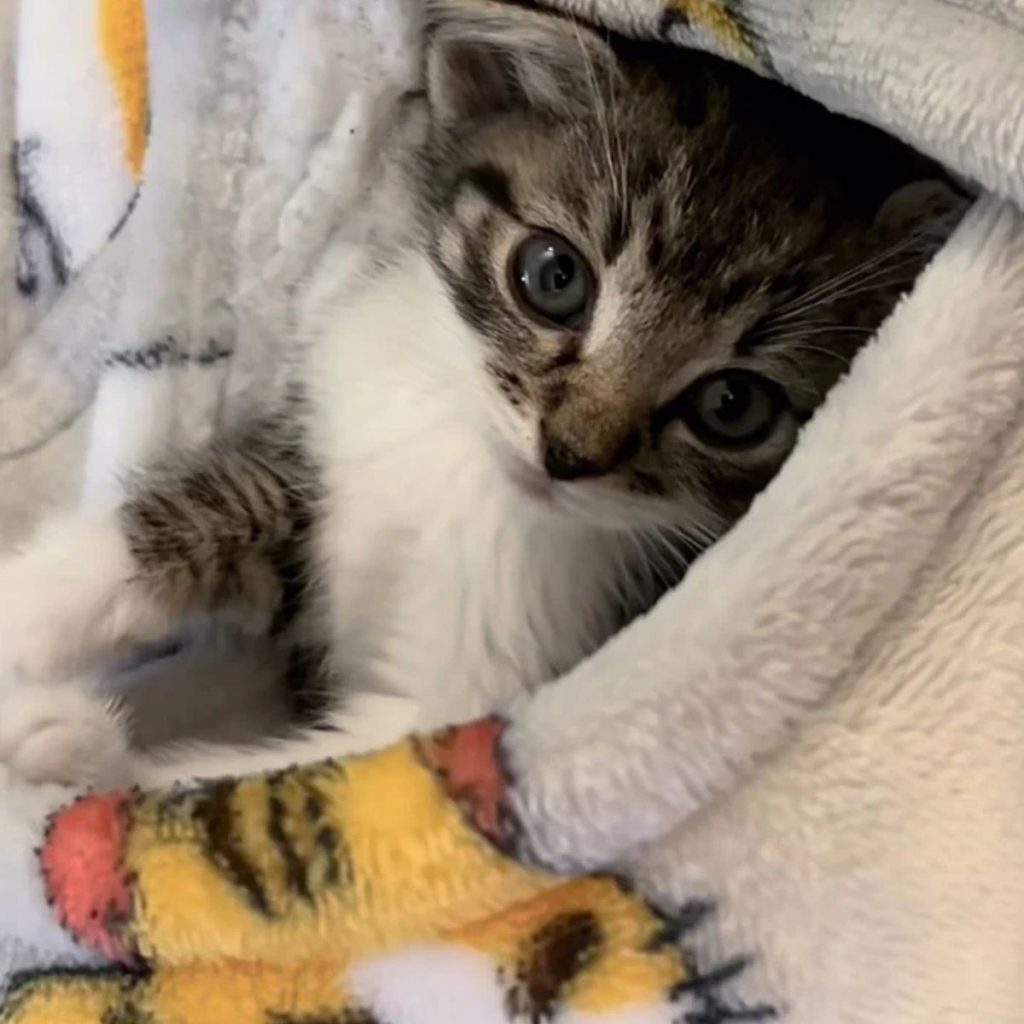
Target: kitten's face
662, 284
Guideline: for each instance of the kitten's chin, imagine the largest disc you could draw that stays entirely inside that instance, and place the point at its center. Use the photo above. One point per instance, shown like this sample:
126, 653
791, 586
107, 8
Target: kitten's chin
529, 480
529, 483
553, 500
577, 505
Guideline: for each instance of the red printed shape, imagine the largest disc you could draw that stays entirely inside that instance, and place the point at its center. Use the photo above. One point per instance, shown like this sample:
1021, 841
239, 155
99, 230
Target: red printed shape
467, 762
82, 865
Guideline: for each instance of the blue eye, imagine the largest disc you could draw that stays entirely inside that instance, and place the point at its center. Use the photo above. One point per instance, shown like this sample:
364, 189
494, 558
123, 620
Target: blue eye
733, 408
552, 280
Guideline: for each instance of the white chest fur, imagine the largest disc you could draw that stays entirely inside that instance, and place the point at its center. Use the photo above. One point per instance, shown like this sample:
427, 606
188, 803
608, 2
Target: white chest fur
443, 582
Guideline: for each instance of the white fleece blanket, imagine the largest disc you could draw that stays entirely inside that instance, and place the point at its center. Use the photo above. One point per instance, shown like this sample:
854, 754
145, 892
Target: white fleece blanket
179, 168
868, 865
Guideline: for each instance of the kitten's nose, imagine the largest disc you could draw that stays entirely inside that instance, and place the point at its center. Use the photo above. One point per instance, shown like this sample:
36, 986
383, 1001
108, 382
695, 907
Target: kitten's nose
590, 425
562, 463
565, 461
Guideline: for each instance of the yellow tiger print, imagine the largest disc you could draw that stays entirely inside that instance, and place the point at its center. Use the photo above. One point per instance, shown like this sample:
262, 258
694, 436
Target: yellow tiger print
252, 900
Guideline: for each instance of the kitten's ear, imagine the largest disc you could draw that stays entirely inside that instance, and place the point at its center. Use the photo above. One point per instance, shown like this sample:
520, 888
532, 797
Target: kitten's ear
919, 206
485, 57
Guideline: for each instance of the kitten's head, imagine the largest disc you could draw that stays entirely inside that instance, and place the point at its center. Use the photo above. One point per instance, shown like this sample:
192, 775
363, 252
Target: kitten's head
667, 260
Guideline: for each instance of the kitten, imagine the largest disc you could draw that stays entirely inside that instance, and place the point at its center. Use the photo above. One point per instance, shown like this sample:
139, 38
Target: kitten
637, 274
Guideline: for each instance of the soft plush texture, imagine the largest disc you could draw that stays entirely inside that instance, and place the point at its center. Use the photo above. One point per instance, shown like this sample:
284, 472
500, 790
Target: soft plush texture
336, 893
867, 866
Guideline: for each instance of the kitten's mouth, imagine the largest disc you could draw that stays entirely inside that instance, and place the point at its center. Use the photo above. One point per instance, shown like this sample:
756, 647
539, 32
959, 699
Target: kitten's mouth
527, 477
530, 479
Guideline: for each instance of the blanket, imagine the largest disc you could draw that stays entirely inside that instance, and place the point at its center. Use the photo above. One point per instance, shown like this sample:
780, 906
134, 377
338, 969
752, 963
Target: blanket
176, 170
865, 868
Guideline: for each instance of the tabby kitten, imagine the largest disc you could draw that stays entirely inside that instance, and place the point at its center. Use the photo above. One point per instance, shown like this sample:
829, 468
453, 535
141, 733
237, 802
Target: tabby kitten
637, 273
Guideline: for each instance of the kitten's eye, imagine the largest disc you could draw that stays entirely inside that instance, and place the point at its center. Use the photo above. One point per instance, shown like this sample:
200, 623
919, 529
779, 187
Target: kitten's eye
733, 408
552, 280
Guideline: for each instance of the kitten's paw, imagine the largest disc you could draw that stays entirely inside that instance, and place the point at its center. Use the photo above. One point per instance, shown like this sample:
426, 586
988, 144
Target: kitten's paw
71, 597
63, 735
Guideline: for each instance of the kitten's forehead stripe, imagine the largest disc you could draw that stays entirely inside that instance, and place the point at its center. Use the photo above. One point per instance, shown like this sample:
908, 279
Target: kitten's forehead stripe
493, 182
477, 289
655, 235
617, 231
649, 176
733, 292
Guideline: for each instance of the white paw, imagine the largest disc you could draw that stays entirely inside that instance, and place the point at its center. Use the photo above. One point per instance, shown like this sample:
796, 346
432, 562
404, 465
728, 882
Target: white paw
62, 734
68, 599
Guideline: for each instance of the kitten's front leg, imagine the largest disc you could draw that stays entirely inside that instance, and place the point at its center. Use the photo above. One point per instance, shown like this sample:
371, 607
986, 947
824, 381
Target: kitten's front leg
67, 733
71, 598
203, 532
210, 531
70, 601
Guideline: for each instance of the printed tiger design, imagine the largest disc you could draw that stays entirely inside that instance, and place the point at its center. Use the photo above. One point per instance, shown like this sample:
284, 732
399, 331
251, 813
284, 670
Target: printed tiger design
309, 897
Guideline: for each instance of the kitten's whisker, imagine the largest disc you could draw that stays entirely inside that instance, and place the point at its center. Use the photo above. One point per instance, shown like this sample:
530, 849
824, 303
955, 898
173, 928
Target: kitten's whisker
678, 549
600, 104
636, 568
795, 335
809, 385
854, 275
771, 327
841, 288
668, 558
884, 277
653, 557
699, 533
898, 248
819, 350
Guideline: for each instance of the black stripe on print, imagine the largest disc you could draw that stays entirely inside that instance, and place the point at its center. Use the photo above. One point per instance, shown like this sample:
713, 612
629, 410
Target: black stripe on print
294, 866
34, 221
134, 201
550, 960
679, 925
352, 1015
124, 218
214, 813
131, 988
27, 276
166, 352
705, 989
330, 843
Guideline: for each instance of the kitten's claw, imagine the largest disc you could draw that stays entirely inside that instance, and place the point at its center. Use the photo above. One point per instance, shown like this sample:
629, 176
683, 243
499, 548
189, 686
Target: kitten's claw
62, 734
